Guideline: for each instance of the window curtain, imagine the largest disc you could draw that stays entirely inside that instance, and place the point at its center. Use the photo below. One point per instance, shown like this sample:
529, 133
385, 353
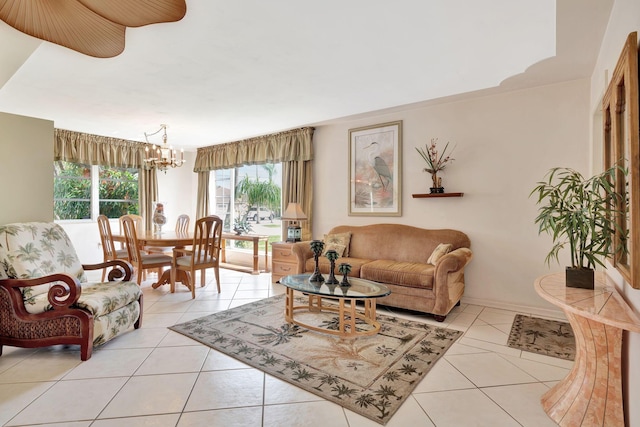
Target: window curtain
202, 206
292, 148
297, 186
78, 147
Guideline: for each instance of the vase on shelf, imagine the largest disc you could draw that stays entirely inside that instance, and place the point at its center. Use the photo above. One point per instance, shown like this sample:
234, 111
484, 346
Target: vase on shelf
437, 184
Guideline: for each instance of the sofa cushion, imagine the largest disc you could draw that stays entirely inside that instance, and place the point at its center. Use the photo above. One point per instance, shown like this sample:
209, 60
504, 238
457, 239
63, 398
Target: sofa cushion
412, 274
339, 239
441, 250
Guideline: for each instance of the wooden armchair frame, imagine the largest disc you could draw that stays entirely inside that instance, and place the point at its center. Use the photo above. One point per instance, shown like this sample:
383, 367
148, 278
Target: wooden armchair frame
64, 324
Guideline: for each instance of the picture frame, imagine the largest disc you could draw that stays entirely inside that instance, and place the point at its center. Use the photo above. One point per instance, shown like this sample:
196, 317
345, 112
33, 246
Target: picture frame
621, 143
375, 170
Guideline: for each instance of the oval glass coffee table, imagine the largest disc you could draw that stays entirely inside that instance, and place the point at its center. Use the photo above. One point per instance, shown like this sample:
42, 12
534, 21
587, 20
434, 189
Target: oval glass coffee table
360, 290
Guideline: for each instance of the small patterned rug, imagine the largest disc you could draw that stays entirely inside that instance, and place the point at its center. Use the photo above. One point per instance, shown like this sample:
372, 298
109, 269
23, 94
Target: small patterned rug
369, 375
543, 336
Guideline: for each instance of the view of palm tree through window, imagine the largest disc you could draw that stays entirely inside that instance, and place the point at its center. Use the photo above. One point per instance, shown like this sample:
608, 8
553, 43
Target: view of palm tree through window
248, 199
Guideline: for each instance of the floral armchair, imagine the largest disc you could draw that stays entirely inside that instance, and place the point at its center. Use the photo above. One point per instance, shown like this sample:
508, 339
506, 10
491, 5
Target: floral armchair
45, 298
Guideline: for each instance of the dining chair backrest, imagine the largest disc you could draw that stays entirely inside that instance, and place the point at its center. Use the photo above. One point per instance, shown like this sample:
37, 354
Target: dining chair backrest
131, 238
182, 223
206, 240
108, 247
138, 222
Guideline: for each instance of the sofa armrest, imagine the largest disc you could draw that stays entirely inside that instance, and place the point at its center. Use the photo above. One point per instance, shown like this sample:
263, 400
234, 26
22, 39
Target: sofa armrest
302, 251
61, 295
122, 270
447, 267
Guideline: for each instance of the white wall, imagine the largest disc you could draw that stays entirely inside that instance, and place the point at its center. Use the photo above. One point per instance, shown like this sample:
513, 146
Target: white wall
624, 19
26, 169
505, 144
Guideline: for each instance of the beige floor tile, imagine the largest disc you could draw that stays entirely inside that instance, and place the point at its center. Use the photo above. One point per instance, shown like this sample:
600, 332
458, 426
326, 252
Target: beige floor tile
166, 420
151, 395
562, 363
252, 294
110, 363
489, 369
410, 414
489, 346
167, 360
494, 316
237, 417
443, 376
14, 397
170, 307
217, 361
227, 389
540, 371
211, 305
76, 400
488, 333
145, 337
307, 414
174, 339
522, 402
48, 364
464, 408
160, 320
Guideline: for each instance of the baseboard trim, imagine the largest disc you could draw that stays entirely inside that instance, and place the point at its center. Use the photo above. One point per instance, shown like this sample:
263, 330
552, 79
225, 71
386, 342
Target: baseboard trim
524, 309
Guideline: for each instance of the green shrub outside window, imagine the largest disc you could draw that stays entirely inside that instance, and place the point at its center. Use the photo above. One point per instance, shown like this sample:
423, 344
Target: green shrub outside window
115, 192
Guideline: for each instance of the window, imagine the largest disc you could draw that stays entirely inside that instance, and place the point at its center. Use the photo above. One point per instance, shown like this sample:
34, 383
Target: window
249, 198
85, 191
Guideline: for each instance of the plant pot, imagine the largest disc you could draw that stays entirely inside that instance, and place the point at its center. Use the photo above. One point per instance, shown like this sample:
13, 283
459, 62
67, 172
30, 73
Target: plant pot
436, 190
579, 277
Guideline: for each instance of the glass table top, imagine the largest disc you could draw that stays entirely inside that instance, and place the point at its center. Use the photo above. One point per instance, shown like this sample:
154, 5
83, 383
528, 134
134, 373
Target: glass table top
359, 288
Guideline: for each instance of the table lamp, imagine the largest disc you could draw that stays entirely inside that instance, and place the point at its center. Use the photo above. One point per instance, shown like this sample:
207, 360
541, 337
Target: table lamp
294, 214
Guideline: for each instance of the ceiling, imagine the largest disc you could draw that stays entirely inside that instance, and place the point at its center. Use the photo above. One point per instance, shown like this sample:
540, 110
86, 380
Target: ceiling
234, 70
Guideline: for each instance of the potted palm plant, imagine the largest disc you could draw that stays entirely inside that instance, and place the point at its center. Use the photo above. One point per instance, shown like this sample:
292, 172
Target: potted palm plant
581, 214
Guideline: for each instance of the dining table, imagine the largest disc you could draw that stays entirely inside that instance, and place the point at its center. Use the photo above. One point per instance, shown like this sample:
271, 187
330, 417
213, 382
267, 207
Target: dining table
164, 239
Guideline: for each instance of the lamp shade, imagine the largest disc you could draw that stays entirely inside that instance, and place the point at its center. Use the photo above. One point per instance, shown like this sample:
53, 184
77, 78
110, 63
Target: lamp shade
294, 213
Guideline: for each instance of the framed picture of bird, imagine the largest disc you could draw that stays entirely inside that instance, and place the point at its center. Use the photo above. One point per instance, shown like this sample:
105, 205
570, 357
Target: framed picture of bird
375, 170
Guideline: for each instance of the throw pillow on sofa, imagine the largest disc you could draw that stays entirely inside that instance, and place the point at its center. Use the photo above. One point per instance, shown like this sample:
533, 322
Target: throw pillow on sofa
339, 239
333, 246
441, 250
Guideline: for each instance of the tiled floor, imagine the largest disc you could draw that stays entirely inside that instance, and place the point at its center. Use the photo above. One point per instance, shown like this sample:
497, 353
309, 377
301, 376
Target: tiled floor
155, 377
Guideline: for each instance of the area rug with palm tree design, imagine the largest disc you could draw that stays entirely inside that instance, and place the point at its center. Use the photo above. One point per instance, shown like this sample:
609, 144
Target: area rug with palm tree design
543, 336
370, 375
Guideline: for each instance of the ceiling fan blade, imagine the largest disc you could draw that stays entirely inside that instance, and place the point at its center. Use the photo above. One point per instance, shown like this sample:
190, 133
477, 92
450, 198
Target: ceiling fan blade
92, 27
138, 13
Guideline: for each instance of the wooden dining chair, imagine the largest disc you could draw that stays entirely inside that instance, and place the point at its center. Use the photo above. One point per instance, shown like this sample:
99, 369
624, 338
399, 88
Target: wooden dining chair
141, 261
204, 253
109, 251
182, 223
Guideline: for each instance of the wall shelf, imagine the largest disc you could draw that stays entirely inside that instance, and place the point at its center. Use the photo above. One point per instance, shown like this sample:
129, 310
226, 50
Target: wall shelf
428, 195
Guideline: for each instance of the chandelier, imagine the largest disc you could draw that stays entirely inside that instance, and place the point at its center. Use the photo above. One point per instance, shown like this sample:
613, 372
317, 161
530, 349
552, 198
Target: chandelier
162, 156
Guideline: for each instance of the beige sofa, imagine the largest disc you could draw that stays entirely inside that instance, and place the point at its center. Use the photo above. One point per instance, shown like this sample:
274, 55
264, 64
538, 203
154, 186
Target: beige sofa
397, 255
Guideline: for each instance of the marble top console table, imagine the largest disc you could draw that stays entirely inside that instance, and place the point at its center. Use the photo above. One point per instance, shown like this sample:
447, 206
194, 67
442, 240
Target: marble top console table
591, 394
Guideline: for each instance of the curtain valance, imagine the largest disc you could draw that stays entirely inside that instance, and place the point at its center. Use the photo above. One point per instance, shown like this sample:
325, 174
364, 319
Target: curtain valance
91, 149
293, 145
